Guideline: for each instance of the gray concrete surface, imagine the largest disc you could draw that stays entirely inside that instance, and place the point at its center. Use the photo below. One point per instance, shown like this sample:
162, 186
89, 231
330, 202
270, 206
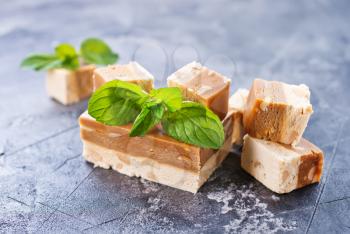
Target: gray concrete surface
46, 187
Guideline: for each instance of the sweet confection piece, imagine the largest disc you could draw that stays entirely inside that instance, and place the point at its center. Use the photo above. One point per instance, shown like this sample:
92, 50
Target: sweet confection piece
282, 168
155, 157
236, 105
131, 72
277, 111
200, 84
69, 87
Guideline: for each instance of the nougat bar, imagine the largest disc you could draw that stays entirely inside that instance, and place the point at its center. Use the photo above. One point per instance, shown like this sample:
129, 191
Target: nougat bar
68, 86
131, 72
277, 111
200, 84
237, 104
155, 157
282, 168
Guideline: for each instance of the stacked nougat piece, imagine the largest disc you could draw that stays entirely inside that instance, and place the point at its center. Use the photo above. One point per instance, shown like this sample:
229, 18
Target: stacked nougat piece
275, 116
156, 156
69, 87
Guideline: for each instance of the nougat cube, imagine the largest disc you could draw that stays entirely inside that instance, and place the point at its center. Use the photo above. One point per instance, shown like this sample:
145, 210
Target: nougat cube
68, 87
237, 104
200, 84
282, 168
155, 156
131, 72
277, 111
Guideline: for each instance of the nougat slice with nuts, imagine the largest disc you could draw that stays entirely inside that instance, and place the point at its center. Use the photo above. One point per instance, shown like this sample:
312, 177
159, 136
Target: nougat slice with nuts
155, 157
200, 84
68, 86
237, 104
131, 72
277, 111
282, 168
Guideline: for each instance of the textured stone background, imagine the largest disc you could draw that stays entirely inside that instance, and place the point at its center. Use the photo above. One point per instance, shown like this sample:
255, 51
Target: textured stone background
47, 187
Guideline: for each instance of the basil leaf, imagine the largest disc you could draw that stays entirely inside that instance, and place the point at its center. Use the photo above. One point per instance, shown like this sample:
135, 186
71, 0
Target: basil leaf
150, 115
194, 124
96, 51
42, 62
116, 102
171, 97
68, 55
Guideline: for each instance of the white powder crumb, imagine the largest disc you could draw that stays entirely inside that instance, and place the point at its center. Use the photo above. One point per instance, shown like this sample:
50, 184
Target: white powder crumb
223, 197
275, 198
149, 186
252, 215
154, 201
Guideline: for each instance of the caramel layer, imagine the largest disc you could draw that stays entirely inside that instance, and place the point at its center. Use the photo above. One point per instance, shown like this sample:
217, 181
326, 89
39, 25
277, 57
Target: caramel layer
155, 144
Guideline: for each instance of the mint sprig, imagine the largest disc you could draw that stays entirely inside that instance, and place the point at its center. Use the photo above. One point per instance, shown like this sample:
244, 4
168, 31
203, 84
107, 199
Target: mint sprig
39, 62
171, 97
194, 124
92, 51
95, 51
150, 115
68, 56
119, 102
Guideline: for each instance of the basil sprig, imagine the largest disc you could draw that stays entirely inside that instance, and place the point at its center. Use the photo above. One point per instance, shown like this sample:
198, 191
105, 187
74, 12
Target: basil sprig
119, 102
92, 51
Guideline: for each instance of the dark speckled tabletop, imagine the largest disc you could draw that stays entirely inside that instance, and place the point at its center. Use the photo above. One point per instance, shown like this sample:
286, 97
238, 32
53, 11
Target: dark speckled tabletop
47, 187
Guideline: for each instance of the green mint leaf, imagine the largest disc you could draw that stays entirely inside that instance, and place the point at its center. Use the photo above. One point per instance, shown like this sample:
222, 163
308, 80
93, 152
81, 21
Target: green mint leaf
68, 55
117, 102
96, 51
65, 50
194, 124
41, 62
171, 97
150, 115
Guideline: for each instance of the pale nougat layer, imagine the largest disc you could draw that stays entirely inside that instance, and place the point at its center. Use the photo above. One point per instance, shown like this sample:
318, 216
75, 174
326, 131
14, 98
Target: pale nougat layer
282, 168
200, 84
152, 169
131, 72
237, 104
168, 159
277, 112
69, 87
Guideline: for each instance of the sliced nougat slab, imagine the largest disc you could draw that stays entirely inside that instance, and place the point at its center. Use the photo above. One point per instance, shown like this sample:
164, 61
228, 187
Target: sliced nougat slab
282, 168
277, 111
131, 72
200, 84
155, 157
237, 104
68, 86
